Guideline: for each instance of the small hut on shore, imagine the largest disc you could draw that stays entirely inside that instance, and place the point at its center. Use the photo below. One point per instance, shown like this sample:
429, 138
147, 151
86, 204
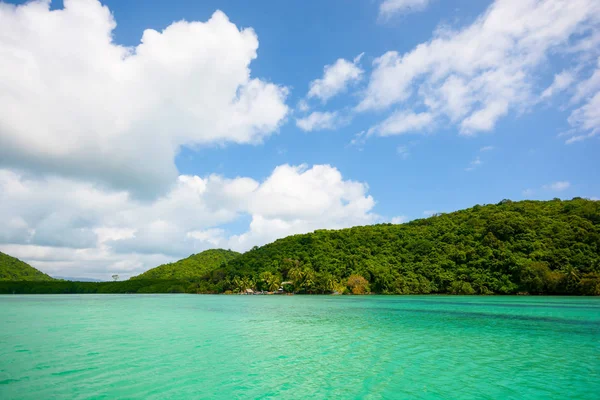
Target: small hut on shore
281, 290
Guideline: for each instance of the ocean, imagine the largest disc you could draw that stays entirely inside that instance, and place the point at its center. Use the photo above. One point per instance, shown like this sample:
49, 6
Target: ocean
297, 347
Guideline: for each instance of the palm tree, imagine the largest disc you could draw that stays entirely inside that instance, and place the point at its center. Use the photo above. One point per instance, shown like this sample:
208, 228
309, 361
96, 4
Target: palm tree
297, 276
237, 284
274, 284
246, 283
309, 279
572, 276
266, 278
328, 282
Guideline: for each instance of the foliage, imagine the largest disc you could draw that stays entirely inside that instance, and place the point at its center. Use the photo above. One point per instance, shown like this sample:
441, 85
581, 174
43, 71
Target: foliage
195, 266
536, 247
13, 269
130, 286
358, 284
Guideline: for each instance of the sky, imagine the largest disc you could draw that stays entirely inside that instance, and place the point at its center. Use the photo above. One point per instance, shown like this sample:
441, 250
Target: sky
137, 133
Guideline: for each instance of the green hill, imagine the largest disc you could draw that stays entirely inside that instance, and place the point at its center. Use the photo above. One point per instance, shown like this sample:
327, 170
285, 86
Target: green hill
195, 266
13, 269
535, 247
550, 247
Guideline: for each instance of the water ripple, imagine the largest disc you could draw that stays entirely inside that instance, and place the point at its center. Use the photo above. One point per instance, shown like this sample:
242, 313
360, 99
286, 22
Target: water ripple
318, 347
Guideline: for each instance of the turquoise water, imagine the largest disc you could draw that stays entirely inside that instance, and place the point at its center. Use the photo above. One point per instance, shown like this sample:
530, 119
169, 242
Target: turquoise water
371, 347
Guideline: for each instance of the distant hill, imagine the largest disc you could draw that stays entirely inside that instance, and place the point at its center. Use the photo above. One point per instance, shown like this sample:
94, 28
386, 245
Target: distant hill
13, 269
193, 267
72, 279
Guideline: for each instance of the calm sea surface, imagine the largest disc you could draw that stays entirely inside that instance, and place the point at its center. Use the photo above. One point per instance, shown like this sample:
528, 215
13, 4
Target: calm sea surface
317, 347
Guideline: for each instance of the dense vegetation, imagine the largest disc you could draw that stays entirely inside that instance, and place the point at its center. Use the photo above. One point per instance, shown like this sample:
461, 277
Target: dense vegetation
66, 287
535, 247
13, 269
195, 266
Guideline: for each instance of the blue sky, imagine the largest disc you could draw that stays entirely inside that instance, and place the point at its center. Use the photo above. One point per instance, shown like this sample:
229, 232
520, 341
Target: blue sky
298, 38
349, 113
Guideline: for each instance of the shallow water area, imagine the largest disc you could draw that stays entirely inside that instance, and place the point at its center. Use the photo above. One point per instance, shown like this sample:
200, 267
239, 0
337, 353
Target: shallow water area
200, 346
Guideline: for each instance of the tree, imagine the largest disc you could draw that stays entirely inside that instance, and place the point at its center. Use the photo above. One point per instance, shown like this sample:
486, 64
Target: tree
572, 277
309, 279
358, 284
237, 284
115, 277
270, 281
546, 247
296, 275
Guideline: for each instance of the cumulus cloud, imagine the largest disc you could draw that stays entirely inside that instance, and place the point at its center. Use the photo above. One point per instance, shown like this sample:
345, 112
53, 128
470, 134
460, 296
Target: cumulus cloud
72, 228
392, 7
475, 75
557, 186
336, 78
74, 102
486, 148
317, 120
296, 199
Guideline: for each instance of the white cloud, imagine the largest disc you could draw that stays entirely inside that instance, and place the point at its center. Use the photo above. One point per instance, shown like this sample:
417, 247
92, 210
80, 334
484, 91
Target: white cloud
74, 102
557, 186
319, 121
474, 164
486, 148
585, 119
402, 122
391, 7
212, 236
71, 228
359, 140
303, 105
400, 219
336, 79
297, 192
475, 75
561, 81
403, 152
588, 87
296, 200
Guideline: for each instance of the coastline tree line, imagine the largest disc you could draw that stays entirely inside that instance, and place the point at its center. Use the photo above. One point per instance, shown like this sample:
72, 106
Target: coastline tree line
533, 247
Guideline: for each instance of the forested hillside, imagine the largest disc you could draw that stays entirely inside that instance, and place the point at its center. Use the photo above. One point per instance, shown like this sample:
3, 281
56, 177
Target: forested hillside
532, 247
13, 269
195, 266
